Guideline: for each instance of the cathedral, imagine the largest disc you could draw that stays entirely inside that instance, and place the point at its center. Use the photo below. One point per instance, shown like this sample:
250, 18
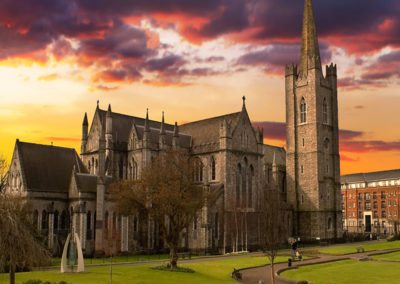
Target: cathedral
70, 192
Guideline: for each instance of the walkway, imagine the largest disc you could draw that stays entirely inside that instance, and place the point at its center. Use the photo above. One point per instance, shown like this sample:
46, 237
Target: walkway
254, 275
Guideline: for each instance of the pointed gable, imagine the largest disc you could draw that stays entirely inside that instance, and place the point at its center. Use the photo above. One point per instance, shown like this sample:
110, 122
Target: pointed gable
207, 130
48, 168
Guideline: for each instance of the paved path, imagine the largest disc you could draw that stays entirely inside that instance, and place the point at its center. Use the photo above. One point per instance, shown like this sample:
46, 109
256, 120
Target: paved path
254, 275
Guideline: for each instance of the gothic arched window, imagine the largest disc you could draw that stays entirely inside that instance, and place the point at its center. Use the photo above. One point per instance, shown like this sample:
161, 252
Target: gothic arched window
303, 111
329, 223
88, 225
238, 184
198, 170
35, 219
45, 220
325, 111
250, 187
56, 217
326, 153
213, 170
134, 170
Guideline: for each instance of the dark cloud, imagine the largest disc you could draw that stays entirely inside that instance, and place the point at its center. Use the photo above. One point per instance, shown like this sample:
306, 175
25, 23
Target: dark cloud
369, 146
279, 54
121, 41
391, 57
124, 73
272, 130
345, 158
170, 61
349, 134
348, 139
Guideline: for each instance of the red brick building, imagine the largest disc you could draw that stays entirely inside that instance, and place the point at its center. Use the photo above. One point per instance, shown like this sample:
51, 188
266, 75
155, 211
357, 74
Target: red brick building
370, 201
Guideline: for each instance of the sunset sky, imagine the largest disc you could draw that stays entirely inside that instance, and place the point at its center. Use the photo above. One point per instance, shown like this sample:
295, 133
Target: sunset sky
195, 59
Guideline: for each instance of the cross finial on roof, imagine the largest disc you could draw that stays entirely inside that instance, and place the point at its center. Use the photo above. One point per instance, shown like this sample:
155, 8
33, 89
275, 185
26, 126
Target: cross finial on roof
98, 103
244, 102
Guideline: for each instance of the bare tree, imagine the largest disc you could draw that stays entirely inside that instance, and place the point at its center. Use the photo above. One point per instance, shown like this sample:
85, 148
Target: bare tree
167, 195
18, 245
275, 231
3, 174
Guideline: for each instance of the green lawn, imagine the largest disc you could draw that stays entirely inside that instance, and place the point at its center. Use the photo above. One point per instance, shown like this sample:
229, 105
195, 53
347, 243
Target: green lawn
117, 259
347, 271
210, 271
368, 246
393, 256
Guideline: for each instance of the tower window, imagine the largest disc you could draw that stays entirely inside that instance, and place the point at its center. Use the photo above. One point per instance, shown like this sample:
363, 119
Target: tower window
325, 111
303, 142
302, 169
303, 111
213, 170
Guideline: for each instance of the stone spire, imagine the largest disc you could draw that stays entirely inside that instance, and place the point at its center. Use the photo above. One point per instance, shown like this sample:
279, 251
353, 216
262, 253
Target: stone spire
176, 130
146, 122
310, 57
85, 120
244, 103
162, 128
175, 137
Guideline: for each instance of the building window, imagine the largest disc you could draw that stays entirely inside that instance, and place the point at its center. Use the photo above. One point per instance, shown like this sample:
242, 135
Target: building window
329, 223
302, 169
88, 225
374, 195
238, 183
383, 195
383, 204
213, 170
325, 111
383, 214
198, 170
367, 196
360, 196
56, 217
375, 204
367, 205
45, 220
303, 111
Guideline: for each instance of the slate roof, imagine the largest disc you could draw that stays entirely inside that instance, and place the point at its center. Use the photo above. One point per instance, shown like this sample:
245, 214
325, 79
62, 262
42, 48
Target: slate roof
88, 183
280, 155
122, 124
48, 168
207, 130
372, 176
184, 140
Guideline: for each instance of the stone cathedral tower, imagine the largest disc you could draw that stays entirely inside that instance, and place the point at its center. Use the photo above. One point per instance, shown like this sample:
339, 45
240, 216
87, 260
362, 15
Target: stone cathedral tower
312, 165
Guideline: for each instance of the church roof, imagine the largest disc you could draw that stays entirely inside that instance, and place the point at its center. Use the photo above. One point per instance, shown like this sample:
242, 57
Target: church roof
184, 140
46, 167
372, 176
280, 155
88, 183
122, 124
207, 130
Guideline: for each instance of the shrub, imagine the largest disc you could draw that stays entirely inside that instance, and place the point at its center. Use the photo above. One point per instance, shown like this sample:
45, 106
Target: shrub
177, 269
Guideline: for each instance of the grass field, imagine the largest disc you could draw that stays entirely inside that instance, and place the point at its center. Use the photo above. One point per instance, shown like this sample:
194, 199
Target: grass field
117, 259
209, 271
347, 272
394, 256
368, 246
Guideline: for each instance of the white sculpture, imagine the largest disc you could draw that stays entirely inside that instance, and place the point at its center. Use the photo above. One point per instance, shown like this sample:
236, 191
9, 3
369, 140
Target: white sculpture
73, 249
